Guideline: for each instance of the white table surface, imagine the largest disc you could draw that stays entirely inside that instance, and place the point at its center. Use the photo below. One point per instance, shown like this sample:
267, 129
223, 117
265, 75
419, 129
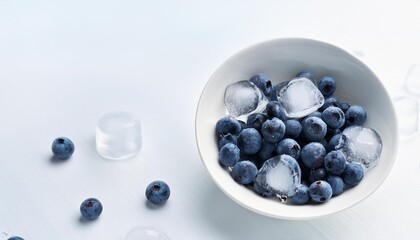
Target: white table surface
63, 64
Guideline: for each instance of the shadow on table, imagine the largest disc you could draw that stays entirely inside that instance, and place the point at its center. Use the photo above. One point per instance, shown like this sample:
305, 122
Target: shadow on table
236, 222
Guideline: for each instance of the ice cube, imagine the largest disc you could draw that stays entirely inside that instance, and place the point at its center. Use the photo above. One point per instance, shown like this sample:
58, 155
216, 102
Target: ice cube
146, 233
280, 175
412, 80
361, 145
300, 97
243, 98
118, 135
273, 95
407, 110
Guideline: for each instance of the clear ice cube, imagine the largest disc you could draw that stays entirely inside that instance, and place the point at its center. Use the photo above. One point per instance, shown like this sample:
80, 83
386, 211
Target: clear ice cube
407, 110
280, 175
118, 135
361, 145
146, 233
412, 80
243, 98
300, 97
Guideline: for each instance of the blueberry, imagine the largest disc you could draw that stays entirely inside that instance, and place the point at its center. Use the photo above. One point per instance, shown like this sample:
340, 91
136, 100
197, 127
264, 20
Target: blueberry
228, 138
302, 195
273, 130
62, 148
352, 174
315, 114
158, 192
333, 117
327, 86
267, 150
288, 146
293, 128
262, 81
229, 155
335, 162
274, 109
256, 120
306, 74
320, 191
356, 115
337, 184
334, 142
244, 172
15, 238
249, 141
344, 106
317, 174
314, 129
91, 208
330, 101
312, 155
228, 124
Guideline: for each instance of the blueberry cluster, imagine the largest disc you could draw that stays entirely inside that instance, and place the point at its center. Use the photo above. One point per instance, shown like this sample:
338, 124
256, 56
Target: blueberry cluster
244, 147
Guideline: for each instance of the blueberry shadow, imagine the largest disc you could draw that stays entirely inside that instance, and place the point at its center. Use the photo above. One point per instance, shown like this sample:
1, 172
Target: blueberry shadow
85, 221
152, 206
56, 160
217, 206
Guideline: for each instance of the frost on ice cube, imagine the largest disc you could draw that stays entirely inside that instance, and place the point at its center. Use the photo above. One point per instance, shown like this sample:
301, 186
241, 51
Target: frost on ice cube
361, 145
243, 98
280, 175
300, 97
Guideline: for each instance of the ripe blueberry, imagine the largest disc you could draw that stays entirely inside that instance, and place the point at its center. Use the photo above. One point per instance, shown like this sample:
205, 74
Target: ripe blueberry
62, 148
91, 208
158, 192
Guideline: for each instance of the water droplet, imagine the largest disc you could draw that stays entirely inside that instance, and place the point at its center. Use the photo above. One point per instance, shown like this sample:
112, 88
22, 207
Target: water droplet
282, 198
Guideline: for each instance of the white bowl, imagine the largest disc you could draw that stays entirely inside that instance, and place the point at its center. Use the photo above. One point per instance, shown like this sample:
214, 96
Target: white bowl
281, 59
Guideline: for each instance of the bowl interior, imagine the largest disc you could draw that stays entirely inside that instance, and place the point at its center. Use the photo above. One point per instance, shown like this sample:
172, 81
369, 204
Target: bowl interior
282, 59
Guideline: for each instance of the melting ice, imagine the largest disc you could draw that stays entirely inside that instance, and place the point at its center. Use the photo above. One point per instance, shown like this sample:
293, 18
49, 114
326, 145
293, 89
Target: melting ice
362, 145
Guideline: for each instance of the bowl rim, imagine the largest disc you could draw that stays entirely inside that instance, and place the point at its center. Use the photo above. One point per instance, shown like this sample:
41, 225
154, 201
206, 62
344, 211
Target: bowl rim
394, 131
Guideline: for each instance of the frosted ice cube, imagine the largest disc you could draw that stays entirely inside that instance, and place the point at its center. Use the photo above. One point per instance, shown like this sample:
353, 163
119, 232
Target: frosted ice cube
273, 95
146, 233
300, 97
243, 98
361, 145
280, 175
412, 80
407, 110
